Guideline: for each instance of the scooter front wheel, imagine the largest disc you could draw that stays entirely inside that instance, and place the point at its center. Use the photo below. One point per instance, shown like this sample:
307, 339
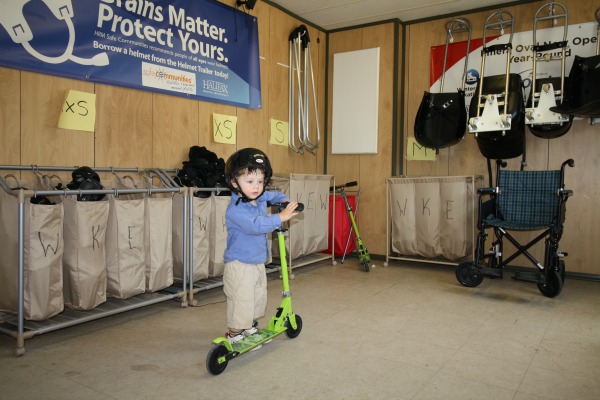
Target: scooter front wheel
366, 264
291, 332
215, 361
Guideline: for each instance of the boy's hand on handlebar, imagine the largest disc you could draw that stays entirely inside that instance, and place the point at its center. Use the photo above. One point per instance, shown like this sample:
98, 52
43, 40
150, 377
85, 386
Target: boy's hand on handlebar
289, 211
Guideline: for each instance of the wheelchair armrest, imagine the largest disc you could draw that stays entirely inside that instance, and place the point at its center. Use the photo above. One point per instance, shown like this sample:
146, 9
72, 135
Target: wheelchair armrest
565, 192
484, 191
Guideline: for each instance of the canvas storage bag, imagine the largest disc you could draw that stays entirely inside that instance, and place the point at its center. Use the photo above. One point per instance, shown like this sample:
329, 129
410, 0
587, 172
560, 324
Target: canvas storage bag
218, 235
309, 231
432, 216
200, 241
43, 255
84, 261
158, 236
125, 251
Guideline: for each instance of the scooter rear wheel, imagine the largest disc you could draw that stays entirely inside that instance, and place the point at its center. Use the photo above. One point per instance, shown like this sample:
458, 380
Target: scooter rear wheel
212, 359
291, 332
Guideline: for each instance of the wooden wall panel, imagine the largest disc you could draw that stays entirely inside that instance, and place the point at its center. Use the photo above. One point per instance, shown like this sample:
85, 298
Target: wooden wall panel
254, 129
284, 159
206, 127
123, 127
345, 167
174, 130
320, 65
10, 116
42, 142
375, 168
370, 170
281, 24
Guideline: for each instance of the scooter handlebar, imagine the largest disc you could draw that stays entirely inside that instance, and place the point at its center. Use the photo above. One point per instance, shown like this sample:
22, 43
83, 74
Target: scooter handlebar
345, 185
281, 205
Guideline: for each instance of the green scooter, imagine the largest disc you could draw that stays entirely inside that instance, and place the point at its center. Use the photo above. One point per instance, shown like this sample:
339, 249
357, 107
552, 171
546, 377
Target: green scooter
363, 254
283, 321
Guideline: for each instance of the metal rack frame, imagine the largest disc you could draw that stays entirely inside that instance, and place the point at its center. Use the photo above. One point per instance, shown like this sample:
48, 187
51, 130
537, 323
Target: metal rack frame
16, 326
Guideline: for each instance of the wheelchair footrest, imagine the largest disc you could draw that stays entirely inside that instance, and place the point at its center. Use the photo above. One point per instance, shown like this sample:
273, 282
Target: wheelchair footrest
491, 272
527, 276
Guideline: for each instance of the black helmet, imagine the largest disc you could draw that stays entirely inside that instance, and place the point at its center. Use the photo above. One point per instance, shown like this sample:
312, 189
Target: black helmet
246, 158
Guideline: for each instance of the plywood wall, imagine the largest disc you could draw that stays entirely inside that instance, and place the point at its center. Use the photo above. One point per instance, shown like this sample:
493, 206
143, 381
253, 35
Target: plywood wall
370, 170
136, 128
582, 142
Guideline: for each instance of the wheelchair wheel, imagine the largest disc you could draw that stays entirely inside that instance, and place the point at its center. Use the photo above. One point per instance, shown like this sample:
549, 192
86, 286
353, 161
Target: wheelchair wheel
468, 274
554, 284
562, 270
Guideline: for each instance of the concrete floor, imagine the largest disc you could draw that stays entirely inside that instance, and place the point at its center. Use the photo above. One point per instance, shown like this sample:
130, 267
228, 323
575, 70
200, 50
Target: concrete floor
408, 331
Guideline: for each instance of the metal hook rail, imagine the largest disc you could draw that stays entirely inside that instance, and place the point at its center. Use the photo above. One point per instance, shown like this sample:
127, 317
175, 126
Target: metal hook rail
489, 119
456, 25
541, 101
300, 69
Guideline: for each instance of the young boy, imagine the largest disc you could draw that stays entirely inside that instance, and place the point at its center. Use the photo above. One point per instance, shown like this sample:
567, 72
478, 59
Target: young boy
247, 173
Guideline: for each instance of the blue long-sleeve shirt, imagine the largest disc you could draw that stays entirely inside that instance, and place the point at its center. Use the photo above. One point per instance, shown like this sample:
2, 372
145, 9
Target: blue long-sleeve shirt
247, 228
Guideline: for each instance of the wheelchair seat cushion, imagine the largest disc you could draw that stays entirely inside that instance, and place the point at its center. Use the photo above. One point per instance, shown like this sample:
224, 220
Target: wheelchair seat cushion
528, 200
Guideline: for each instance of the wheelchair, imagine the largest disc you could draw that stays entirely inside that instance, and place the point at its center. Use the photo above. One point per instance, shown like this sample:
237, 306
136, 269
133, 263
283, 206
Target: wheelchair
521, 201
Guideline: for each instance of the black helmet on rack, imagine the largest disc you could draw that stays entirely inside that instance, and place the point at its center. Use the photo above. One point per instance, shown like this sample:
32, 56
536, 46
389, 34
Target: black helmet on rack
250, 159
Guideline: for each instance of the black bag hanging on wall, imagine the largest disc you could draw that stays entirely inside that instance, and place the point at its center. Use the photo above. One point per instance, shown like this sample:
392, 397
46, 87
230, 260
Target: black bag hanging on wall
441, 120
582, 92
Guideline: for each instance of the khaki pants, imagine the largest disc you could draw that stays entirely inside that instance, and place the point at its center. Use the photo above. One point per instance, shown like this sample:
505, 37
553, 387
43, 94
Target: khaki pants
245, 286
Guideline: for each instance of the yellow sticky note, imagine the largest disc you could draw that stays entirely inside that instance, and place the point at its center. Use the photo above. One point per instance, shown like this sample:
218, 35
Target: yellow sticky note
416, 152
224, 128
279, 132
78, 111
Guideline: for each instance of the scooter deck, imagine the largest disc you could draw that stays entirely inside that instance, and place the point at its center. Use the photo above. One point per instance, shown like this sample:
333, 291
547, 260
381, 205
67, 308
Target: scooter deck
254, 340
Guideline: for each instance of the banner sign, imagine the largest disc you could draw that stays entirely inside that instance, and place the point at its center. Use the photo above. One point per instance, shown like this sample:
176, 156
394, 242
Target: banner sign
581, 41
199, 49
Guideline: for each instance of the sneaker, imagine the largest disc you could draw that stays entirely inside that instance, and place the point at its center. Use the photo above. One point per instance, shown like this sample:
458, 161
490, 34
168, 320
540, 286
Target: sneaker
234, 338
251, 331
254, 330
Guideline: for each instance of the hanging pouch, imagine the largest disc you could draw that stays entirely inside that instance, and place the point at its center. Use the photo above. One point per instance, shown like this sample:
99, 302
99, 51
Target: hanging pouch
582, 93
125, 251
441, 120
85, 260
42, 257
158, 239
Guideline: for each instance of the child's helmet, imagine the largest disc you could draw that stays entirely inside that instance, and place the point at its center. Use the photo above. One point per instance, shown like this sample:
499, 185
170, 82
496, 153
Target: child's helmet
250, 158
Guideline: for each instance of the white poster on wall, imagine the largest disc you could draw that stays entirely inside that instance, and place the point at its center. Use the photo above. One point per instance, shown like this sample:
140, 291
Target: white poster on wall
355, 102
